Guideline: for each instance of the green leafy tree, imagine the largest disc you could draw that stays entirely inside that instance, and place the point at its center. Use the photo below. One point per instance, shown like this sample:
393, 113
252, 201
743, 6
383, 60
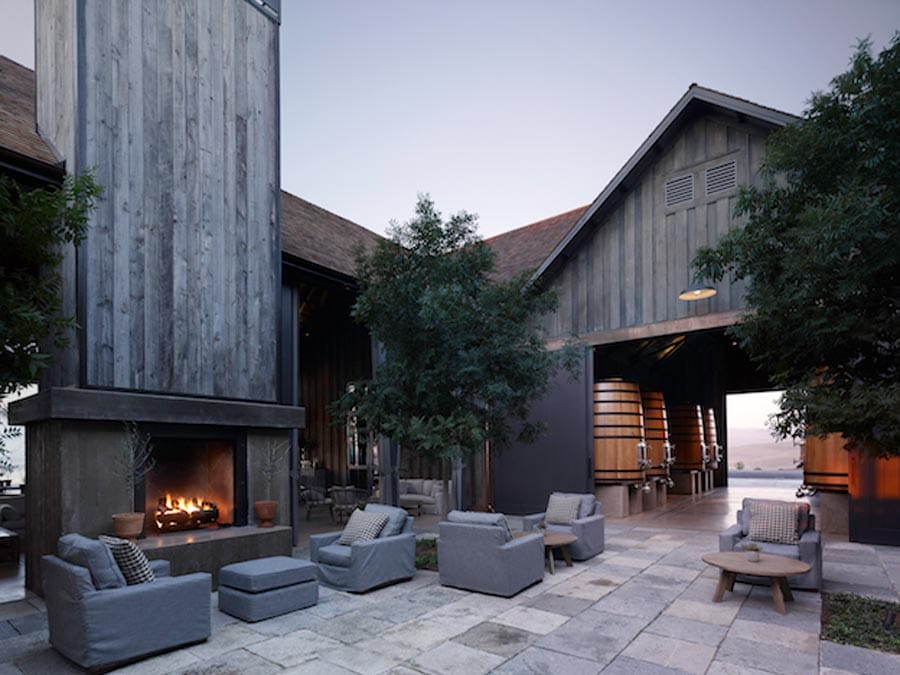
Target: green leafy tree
821, 252
34, 226
462, 360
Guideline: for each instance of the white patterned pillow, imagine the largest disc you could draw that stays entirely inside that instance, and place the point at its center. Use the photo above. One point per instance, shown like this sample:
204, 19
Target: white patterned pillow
562, 510
362, 526
131, 560
775, 523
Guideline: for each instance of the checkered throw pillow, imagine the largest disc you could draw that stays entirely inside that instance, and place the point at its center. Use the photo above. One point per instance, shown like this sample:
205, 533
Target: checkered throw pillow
775, 523
362, 526
131, 560
562, 510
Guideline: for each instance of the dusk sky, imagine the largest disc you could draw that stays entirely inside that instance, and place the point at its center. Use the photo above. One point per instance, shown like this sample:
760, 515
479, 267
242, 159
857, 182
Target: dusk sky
516, 109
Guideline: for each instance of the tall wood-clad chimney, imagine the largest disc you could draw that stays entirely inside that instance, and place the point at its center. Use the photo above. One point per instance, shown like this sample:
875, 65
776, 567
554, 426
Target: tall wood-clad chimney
173, 105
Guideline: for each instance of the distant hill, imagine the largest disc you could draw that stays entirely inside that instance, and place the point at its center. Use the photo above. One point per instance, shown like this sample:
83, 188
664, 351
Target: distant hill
756, 448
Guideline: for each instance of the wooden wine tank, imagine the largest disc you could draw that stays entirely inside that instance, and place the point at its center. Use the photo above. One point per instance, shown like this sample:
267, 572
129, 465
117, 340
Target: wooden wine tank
686, 434
656, 432
826, 463
712, 440
618, 432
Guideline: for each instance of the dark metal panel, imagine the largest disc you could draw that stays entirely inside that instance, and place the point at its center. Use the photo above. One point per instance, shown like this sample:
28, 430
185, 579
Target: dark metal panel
524, 475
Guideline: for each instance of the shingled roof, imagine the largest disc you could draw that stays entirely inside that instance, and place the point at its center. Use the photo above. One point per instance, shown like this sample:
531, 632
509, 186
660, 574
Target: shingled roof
525, 248
312, 234
19, 139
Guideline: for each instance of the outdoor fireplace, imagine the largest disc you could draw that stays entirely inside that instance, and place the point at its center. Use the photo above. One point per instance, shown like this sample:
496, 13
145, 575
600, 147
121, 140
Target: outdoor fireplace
195, 483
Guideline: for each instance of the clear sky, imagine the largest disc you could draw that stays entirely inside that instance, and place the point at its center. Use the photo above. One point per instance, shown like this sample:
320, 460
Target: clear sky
516, 109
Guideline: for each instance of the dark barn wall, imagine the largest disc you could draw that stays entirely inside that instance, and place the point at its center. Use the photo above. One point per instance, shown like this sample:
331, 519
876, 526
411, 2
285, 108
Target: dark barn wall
524, 474
177, 111
635, 260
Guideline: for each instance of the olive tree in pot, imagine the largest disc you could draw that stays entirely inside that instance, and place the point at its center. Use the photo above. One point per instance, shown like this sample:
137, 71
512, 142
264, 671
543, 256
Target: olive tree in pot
131, 466
270, 462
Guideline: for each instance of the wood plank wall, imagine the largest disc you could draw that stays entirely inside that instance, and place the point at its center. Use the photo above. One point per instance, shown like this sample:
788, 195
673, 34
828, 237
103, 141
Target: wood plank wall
177, 111
630, 269
55, 106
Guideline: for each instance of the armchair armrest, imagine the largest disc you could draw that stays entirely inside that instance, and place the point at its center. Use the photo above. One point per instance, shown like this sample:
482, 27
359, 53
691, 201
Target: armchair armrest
170, 610
317, 541
729, 537
530, 523
810, 545
516, 545
394, 556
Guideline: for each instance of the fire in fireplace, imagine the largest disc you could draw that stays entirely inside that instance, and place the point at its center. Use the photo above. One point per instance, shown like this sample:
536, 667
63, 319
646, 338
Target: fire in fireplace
183, 513
195, 483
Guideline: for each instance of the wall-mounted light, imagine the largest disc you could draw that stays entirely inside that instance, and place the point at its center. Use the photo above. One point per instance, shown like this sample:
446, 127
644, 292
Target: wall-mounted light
697, 292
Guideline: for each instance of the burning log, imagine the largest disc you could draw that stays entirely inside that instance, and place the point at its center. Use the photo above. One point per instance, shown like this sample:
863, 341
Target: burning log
184, 514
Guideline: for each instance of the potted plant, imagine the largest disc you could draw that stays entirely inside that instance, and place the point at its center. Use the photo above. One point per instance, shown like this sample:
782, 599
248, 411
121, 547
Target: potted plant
131, 466
271, 462
752, 552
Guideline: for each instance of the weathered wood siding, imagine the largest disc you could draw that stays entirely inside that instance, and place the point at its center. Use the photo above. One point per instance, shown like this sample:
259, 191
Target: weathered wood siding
176, 111
636, 258
55, 107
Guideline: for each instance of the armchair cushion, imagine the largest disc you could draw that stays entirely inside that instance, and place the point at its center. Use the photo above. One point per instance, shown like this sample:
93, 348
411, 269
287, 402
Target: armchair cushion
561, 509
94, 556
396, 518
775, 523
362, 526
335, 554
784, 550
131, 560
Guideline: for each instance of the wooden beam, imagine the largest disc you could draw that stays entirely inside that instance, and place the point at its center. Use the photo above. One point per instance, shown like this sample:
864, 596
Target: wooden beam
687, 325
104, 405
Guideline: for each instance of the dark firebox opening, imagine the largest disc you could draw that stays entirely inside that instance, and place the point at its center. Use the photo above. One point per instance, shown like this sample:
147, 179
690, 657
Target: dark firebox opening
196, 482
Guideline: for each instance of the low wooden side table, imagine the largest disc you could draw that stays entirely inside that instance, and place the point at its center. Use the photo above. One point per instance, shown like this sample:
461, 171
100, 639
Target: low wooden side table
554, 540
775, 567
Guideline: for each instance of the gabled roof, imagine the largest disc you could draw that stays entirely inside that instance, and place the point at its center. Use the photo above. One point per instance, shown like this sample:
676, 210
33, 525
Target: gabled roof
525, 248
314, 235
697, 100
19, 141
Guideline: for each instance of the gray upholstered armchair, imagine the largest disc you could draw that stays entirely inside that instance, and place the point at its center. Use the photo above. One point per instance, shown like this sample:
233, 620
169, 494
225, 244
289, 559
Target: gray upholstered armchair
98, 621
476, 551
588, 526
808, 548
364, 565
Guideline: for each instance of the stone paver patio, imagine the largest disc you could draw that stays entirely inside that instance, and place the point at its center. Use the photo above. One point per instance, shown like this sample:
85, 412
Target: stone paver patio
643, 606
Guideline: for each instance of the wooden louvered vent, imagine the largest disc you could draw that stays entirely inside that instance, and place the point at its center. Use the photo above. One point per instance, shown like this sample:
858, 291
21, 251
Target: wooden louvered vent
679, 190
721, 178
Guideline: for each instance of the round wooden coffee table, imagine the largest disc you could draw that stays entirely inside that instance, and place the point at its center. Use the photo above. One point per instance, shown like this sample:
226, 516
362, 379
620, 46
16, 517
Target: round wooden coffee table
775, 567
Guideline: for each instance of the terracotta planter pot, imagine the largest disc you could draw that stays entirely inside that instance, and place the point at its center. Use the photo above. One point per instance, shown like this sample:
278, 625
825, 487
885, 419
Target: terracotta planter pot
128, 525
265, 512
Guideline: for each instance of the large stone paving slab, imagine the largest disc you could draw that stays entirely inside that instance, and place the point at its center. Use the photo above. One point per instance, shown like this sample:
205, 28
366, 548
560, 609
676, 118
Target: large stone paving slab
772, 657
453, 658
858, 660
670, 652
537, 661
689, 630
497, 638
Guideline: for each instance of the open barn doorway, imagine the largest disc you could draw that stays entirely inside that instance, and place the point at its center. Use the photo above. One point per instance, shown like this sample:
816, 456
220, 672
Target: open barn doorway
753, 452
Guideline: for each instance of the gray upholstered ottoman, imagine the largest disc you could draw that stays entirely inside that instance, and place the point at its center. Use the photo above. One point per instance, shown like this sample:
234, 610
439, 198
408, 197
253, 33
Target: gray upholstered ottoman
260, 589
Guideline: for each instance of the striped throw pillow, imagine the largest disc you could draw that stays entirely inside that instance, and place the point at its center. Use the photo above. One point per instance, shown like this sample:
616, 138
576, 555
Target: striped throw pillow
562, 510
774, 522
362, 526
131, 560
